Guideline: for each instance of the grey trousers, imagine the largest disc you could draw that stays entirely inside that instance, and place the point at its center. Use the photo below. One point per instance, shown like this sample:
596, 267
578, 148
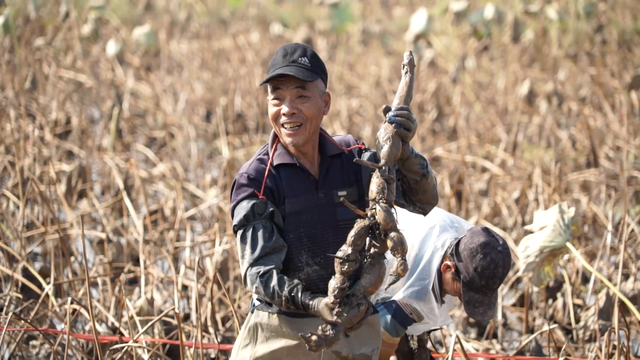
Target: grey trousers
268, 336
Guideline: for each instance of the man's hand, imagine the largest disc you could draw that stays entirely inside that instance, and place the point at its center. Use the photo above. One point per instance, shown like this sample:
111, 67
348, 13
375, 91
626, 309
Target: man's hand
320, 306
403, 120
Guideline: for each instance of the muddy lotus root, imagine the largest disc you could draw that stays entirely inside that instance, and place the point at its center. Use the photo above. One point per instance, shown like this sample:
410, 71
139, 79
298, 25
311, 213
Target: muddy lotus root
371, 236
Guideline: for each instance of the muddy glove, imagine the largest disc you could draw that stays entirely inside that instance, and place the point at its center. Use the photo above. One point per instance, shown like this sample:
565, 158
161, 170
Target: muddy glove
402, 118
418, 190
320, 306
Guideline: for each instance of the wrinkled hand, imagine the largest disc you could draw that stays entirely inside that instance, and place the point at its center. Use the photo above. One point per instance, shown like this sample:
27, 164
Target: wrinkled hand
403, 120
322, 307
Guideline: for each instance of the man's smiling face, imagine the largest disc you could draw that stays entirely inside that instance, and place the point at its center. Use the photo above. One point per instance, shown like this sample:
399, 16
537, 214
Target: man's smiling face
296, 109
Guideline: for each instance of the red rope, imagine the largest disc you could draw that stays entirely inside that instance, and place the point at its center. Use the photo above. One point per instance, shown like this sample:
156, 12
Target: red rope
266, 172
273, 150
498, 356
228, 347
495, 356
357, 145
122, 339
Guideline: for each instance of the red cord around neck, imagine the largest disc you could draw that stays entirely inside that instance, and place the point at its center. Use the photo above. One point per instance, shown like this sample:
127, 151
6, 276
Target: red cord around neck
273, 151
266, 172
357, 145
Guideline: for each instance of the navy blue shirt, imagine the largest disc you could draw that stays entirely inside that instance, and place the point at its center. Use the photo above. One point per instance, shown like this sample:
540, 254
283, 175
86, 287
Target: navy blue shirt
337, 171
286, 237
316, 222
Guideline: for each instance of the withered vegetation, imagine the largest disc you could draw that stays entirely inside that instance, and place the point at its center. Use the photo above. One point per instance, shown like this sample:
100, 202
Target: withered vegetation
535, 106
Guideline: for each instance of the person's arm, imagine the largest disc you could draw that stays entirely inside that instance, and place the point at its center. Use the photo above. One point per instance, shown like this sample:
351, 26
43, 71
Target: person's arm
395, 318
418, 187
388, 346
261, 250
418, 190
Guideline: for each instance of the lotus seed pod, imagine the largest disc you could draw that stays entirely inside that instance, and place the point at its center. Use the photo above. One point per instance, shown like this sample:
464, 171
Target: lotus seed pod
98, 7
276, 29
144, 37
64, 10
553, 13
113, 48
33, 9
458, 6
489, 12
5, 22
532, 9
89, 29
39, 42
419, 25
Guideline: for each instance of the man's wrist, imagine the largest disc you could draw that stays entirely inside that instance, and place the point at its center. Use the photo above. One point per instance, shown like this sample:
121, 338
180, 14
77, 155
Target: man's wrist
406, 153
309, 302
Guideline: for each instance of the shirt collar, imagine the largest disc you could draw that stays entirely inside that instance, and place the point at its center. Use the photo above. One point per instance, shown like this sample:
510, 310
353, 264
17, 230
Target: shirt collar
326, 145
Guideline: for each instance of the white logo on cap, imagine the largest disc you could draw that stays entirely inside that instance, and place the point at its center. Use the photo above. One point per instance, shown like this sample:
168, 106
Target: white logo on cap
304, 61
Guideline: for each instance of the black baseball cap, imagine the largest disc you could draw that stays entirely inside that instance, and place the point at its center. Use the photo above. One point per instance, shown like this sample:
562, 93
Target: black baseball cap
298, 60
483, 260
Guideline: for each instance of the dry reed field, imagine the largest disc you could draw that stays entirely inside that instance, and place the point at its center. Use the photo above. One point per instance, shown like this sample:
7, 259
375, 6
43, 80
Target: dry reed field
118, 148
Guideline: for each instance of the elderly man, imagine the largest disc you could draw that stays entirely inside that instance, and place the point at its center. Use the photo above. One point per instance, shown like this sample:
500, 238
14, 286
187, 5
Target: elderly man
448, 259
288, 218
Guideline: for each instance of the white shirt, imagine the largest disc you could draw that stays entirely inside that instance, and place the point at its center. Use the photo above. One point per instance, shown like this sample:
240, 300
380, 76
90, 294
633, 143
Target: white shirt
428, 237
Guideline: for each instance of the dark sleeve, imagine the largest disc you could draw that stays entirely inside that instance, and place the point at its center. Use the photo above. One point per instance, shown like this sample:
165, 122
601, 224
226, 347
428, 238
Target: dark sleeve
418, 190
261, 250
247, 186
418, 187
